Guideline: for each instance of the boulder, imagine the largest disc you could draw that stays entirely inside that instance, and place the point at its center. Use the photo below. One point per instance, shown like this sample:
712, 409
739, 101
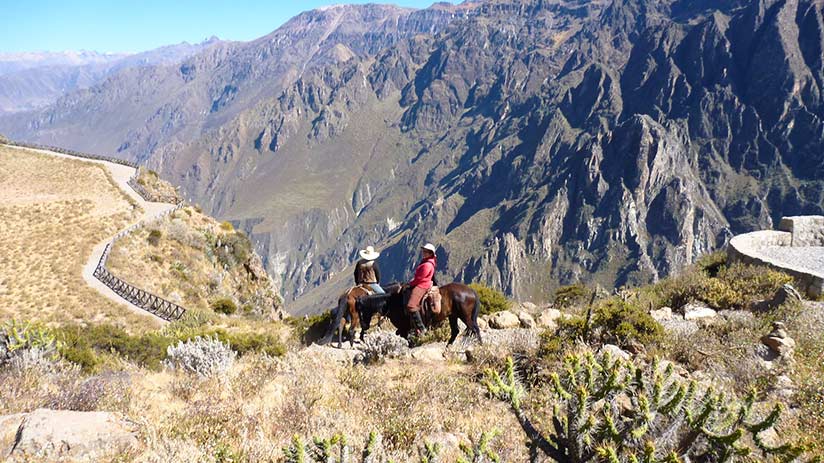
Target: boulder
779, 341
526, 320
528, 307
549, 318
614, 351
429, 352
68, 435
483, 324
694, 311
782, 346
503, 320
662, 314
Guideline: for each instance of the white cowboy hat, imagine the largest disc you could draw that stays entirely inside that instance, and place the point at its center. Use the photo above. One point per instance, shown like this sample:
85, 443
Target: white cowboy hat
369, 253
429, 247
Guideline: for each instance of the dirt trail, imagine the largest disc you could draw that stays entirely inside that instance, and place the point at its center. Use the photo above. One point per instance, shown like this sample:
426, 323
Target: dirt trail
121, 175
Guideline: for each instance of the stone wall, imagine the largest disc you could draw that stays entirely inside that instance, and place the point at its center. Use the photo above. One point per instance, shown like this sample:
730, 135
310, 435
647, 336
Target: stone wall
800, 232
806, 230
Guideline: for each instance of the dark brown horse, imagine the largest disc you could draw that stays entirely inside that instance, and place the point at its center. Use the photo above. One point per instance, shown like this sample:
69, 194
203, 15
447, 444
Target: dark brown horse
458, 301
347, 312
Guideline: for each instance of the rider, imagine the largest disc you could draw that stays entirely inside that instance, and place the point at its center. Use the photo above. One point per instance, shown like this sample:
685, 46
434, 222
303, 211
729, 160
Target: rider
367, 272
424, 274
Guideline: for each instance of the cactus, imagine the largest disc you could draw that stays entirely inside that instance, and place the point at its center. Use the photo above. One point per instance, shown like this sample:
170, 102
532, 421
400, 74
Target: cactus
616, 411
479, 451
23, 339
337, 450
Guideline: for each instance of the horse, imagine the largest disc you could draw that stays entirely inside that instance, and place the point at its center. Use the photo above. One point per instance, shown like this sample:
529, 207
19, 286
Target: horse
458, 301
346, 311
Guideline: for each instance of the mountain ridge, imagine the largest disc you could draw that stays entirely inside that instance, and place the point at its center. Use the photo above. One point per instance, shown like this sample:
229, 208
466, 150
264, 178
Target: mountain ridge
540, 142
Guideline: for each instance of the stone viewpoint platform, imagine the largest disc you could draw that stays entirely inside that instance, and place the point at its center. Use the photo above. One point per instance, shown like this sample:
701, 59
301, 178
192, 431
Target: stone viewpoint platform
797, 248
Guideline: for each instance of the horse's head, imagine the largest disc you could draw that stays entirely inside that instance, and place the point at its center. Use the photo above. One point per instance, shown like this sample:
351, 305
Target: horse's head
393, 288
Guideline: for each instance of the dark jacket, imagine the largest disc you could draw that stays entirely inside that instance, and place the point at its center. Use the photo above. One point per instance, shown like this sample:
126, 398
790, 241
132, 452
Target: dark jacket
367, 272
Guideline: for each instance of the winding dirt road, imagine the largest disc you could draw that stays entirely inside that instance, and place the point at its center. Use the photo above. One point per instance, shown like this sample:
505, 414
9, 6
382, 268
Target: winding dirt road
121, 175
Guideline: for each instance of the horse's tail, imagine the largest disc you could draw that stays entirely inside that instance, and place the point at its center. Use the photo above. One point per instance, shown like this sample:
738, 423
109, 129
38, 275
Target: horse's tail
475, 312
337, 315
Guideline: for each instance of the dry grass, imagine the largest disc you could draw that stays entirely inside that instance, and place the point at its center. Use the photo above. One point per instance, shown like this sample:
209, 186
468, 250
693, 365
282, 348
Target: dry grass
53, 211
190, 258
263, 402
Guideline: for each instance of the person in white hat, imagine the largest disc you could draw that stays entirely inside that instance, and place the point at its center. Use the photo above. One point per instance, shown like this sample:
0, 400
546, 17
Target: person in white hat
367, 271
421, 283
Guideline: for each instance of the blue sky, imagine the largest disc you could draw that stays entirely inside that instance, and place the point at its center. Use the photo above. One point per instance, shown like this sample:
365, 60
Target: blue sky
137, 25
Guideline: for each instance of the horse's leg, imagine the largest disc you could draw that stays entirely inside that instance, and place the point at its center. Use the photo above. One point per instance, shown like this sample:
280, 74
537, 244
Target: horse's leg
365, 322
453, 326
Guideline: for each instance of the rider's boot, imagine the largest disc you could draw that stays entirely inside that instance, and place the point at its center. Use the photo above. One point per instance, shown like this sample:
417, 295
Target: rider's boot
417, 323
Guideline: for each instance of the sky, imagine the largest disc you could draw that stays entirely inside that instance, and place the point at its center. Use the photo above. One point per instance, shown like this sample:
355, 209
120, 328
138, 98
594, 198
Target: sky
139, 25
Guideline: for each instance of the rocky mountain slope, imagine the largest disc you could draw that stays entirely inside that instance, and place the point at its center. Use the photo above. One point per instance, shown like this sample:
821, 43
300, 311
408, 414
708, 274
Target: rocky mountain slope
538, 142
30, 81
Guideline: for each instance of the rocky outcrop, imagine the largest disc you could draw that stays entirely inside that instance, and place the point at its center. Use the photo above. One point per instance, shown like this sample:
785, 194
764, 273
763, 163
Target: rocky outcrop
61, 435
539, 143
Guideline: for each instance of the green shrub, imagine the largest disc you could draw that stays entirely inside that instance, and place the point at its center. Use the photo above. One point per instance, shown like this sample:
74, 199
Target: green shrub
227, 226
224, 305
235, 248
265, 343
735, 287
492, 300
312, 328
678, 291
740, 285
154, 237
438, 333
242, 342
711, 263
571, 295
81, 344
613, 321
551, 345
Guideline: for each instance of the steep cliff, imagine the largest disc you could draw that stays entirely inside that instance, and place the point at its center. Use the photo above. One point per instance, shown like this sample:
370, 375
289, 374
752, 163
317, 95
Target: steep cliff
538, 143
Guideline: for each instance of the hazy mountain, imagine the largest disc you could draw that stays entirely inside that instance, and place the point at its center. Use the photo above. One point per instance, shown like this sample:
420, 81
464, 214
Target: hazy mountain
538, 142
30, 81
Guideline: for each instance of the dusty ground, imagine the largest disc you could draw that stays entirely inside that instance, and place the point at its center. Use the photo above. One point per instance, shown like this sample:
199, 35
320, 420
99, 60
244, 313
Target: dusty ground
53, 211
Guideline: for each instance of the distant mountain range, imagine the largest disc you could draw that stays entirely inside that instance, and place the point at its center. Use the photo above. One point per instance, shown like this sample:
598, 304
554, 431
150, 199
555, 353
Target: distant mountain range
35, 80
538, 142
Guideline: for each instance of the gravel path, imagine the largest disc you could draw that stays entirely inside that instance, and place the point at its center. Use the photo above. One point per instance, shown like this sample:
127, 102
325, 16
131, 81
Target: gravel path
805, 257
121, 175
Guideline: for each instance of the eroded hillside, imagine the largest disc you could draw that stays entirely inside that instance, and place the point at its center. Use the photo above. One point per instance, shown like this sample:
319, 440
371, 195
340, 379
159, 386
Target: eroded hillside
538, 143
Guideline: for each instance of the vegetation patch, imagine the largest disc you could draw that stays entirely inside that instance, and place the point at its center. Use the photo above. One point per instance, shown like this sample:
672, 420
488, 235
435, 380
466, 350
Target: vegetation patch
492, 300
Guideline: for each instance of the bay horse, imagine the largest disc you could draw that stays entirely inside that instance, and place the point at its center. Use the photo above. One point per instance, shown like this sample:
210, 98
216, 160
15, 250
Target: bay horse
347, 311
458, 301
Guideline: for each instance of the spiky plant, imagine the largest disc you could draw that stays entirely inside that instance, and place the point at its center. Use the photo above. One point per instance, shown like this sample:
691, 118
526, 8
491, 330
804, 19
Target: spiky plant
18, 337
615, 411
479, 451
337, 450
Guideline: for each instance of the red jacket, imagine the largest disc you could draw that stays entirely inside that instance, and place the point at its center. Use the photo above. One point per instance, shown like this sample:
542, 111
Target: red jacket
424, 273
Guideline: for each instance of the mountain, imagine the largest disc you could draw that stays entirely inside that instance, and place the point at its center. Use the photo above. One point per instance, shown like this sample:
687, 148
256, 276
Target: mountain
30, 81
537, 142
15, 62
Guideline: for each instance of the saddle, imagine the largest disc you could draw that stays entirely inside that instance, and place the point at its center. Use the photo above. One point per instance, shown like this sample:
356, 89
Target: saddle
367, 288
432, 301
